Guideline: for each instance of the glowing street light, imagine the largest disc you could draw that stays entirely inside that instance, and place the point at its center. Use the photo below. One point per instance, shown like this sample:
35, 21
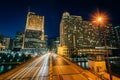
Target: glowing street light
101, 18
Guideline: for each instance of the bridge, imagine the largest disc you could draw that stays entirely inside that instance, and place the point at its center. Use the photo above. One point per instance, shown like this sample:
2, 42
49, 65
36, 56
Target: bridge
51, 67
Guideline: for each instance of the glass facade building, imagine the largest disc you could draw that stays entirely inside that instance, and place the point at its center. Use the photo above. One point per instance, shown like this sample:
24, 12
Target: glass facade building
34, 32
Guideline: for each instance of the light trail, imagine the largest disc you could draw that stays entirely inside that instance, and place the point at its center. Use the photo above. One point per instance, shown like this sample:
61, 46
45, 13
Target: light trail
43, 73
36, 70
19, 73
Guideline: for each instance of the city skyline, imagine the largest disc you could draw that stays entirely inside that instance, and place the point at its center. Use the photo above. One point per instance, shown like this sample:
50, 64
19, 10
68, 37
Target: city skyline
14, 13
59, 40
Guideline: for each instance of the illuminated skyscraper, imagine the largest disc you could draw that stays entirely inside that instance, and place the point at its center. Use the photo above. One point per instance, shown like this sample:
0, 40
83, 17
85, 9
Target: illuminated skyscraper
18, 40
111, 38
117, 31
6, 42
54, 44
2, 48
34, 32
77, 33
46, 41
1, 38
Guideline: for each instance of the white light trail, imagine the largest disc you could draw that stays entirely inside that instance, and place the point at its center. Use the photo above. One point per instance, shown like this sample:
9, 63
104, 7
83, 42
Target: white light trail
36, 70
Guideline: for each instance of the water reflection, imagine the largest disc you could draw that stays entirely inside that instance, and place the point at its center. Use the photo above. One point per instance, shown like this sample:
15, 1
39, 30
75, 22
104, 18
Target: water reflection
9, 67
83, 64
1, 68
115, 64
5, 68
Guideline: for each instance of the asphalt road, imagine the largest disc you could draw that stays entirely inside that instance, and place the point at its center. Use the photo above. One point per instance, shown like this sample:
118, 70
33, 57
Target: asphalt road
57, 61
36, 70
62, 69
65, 70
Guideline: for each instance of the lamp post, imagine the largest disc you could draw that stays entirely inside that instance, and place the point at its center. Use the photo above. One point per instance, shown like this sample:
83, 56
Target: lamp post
100, 21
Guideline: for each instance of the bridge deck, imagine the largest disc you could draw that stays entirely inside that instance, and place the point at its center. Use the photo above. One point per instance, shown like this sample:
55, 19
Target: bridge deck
58, 69
66, 70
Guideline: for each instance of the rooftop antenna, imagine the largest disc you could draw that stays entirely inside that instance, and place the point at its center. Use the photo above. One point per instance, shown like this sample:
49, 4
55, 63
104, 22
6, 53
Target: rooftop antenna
28, 8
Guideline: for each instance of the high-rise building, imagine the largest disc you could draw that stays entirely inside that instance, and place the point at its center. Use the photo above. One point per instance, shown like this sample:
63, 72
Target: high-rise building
2, 48
6, 42
11, 45
117, 31
18, 40
34, 32
77, 33
1, 38
54, 44
110, 35
46, 41
77, 36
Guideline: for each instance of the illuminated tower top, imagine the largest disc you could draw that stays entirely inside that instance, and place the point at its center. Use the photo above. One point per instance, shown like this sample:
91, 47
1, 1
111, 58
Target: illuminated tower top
35, 22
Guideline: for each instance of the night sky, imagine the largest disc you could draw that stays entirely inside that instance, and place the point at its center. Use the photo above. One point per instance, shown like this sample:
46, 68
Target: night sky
13, 13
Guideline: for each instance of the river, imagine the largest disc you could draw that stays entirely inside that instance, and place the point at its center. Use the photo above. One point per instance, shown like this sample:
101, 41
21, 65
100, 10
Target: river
5, 68
115, 65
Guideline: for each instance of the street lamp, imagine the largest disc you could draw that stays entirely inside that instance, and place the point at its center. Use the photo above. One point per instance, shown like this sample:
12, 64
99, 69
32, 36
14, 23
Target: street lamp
100, 19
